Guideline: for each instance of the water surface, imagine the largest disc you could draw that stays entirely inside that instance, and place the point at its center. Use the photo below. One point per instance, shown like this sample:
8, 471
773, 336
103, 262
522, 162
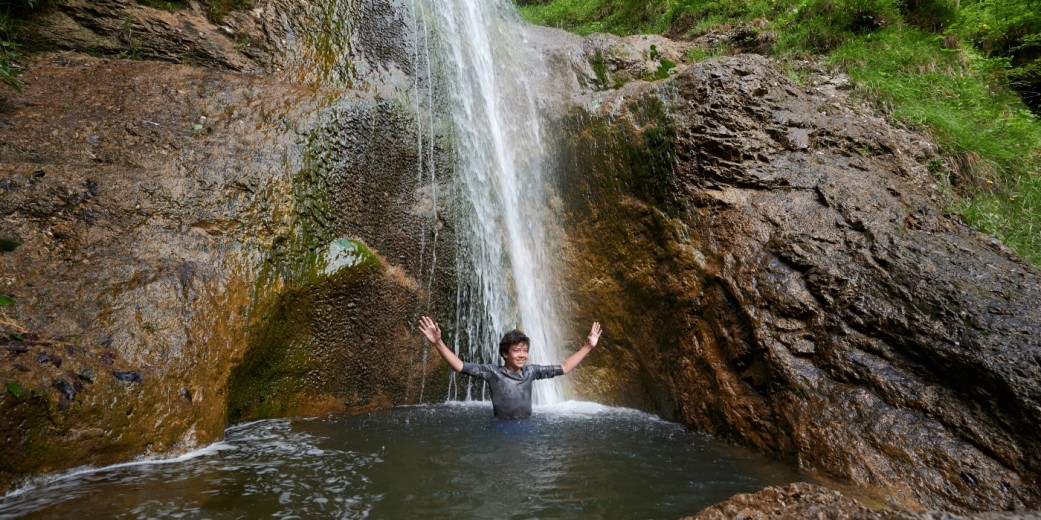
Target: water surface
572, 460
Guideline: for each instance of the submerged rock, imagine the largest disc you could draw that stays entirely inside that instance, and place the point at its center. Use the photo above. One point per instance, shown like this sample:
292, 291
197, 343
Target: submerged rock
800, 501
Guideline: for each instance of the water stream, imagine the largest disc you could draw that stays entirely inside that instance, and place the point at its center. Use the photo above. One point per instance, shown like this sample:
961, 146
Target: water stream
476, 55
572, 460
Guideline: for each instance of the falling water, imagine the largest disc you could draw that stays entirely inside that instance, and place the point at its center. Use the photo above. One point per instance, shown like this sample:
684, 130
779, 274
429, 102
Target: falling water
481, 63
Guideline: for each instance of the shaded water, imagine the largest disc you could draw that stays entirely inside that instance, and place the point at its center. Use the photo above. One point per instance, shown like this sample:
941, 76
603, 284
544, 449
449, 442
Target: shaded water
572, 460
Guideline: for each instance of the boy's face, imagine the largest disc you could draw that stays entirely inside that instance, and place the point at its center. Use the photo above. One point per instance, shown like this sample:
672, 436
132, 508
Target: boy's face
516, 356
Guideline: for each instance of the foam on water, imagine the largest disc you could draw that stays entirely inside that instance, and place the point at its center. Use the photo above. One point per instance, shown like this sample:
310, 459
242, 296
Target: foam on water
581, 409
572, 459
54, 479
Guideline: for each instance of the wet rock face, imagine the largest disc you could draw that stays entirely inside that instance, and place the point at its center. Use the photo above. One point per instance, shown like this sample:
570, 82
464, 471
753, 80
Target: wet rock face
801, 500
801, 291
334, 346
158, 218
128, 29
141, 214
340, 42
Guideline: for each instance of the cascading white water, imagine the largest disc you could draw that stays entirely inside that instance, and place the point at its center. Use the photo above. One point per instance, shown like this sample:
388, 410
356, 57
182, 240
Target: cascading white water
504, 263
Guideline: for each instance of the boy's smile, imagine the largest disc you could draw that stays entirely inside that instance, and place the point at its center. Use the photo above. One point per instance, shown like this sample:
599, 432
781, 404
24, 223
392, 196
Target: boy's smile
516, 356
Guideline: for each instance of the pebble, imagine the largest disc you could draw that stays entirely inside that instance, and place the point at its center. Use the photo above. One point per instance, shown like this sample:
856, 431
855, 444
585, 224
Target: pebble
130, 377
64, 387
44, 357
86, 374
18, 348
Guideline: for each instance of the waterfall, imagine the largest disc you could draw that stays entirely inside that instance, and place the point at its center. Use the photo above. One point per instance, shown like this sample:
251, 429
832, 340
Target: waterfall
479, 60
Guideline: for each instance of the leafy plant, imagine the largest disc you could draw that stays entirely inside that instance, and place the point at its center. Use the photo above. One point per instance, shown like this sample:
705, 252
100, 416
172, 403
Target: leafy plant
8, 71
15, 389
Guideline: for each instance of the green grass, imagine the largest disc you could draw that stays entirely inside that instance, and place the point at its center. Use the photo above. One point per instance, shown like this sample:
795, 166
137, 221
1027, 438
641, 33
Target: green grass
929, 64
990, 138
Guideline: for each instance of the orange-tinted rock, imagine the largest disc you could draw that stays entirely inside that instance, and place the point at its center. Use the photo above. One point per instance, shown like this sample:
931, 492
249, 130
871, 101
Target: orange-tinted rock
156, 214
800, 501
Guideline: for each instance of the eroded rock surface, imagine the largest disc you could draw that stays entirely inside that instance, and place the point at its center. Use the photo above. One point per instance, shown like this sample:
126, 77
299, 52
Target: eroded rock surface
801, 501
776, 262
163, 222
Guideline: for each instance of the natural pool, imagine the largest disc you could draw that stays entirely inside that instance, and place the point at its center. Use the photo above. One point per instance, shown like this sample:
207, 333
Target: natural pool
573, 460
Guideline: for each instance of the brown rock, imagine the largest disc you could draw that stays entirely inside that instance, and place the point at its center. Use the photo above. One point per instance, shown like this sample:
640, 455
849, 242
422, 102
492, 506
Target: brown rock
803, 501
163, 211
776, 260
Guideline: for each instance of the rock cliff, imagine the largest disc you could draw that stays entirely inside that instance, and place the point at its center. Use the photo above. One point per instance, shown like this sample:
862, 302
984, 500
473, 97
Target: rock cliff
775, 261
196, 242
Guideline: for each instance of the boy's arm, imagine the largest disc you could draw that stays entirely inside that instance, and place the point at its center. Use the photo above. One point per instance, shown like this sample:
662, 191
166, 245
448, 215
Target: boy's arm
574, 359
432, 331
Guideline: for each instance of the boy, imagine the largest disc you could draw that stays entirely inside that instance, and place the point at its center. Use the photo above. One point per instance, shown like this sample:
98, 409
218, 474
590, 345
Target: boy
510, 384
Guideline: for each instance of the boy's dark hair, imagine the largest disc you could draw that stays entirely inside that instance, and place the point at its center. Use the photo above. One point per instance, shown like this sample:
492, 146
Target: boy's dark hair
511, 338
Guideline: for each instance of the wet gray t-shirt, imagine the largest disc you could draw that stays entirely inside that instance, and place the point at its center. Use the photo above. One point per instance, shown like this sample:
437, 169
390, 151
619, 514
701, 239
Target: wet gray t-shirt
511, 391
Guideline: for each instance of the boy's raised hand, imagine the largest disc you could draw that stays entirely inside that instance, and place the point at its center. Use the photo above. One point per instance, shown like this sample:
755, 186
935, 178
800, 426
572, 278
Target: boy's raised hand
594, 334
430, 329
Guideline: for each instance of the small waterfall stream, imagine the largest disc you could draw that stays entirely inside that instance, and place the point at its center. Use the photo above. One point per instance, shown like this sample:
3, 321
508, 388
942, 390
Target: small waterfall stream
477, 56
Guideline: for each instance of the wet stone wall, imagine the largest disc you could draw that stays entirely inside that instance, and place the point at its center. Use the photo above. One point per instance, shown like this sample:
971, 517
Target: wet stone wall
177, 236
800, 290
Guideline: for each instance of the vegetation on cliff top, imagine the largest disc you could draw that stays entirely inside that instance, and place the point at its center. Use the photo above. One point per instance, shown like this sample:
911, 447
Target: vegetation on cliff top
969, 72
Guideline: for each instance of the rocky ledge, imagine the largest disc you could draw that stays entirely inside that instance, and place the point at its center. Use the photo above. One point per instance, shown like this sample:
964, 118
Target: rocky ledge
800, 501
774, 260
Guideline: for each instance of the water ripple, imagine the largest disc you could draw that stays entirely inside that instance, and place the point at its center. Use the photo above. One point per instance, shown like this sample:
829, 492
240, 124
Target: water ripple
573, 460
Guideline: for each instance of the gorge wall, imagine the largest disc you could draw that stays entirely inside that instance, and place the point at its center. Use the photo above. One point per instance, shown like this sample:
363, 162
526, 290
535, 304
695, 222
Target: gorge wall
225, 228
774, 261
186, 244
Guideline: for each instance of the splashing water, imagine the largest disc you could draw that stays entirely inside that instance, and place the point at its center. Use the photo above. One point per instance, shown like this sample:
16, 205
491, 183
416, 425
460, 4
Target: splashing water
573, 460
480, 62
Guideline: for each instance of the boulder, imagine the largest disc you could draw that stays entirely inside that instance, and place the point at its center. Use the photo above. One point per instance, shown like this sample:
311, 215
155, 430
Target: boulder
774, 261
